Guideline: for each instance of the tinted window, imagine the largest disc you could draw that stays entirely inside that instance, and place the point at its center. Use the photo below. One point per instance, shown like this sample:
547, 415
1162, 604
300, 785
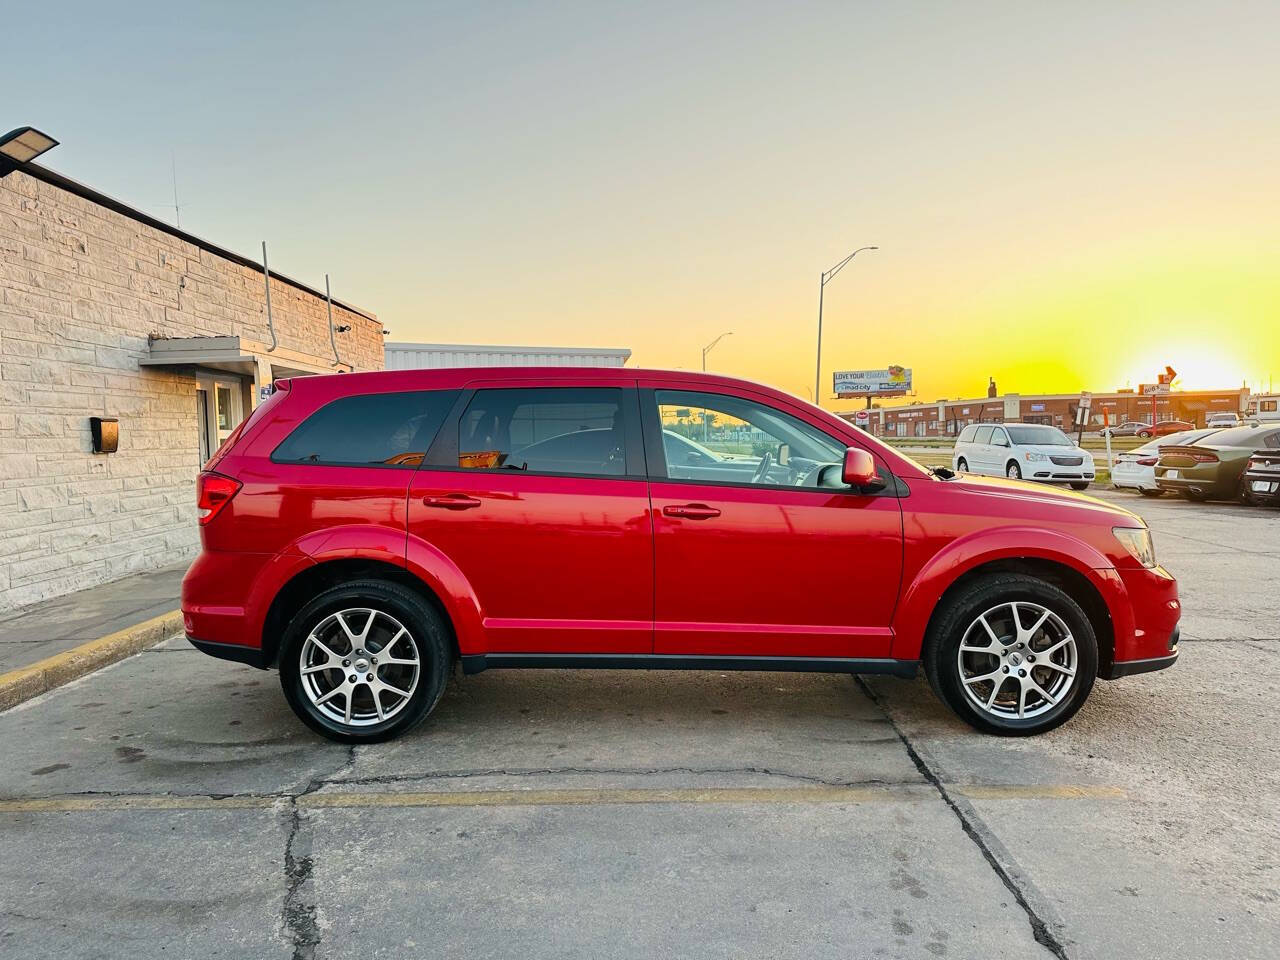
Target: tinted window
574, 430
381, 429
983, 435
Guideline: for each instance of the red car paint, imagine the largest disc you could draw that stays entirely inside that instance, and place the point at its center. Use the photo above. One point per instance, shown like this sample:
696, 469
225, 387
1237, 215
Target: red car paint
527, 563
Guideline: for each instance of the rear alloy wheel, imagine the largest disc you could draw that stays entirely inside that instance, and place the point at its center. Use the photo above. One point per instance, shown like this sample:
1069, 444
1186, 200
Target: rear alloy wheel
1012, 655
364, 662
962, 465
1013, 471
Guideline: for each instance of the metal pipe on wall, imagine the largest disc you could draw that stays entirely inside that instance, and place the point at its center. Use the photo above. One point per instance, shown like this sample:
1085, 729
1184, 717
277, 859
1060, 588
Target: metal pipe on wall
266, 279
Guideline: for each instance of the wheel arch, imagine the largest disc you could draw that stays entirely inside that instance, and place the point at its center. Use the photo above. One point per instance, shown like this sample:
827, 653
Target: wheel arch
1066, 578
315, 579
1070, 564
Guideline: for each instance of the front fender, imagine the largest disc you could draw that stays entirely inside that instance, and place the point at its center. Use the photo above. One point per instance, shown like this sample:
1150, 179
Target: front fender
969, 552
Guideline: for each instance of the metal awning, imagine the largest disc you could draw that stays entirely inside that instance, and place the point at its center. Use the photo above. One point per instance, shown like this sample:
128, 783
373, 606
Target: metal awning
223, 353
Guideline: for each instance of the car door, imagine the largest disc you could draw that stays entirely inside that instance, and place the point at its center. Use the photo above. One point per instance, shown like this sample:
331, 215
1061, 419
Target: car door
981, 451
536, 491
998, 451
786, 562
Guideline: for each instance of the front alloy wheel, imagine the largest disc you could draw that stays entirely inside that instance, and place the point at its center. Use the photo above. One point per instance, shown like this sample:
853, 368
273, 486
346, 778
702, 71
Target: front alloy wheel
1014, 472
1011, 654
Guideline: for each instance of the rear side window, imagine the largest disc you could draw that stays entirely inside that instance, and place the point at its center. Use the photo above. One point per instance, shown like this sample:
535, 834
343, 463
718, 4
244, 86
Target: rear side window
566, 430
374, 429
966, 435
983, 435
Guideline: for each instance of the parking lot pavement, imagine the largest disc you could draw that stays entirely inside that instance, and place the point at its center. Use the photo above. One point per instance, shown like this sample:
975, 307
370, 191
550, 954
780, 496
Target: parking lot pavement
171, 803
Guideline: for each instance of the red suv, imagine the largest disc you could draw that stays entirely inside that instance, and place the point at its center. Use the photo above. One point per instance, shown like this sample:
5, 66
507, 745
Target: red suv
364, 532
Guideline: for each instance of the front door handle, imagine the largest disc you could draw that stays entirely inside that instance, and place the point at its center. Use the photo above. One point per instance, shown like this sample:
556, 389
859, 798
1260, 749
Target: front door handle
451, 501
690, 511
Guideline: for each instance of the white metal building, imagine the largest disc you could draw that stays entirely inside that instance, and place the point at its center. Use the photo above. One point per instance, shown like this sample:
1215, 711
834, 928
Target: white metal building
433, 356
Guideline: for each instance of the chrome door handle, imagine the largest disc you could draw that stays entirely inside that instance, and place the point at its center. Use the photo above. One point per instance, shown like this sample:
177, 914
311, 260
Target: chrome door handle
690, 511
451, 501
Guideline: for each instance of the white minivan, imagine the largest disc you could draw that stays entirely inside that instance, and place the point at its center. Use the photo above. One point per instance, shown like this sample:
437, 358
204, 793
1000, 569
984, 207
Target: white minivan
1022, 451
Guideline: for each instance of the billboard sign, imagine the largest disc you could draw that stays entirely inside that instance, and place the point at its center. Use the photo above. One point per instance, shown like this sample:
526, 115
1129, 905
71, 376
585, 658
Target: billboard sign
893, 381
1153, 389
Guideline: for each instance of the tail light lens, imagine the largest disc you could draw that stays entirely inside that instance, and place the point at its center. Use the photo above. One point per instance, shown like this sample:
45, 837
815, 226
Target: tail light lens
1148, 461
1205, 457
213, 492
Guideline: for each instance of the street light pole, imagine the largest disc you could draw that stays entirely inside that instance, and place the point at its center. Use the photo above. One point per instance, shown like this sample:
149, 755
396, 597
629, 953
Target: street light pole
707, 348
823, 280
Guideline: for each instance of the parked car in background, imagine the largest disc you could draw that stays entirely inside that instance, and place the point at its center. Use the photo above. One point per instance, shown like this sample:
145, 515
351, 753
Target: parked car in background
1135, 469
1128, 429
369, 533
1022, 451
1222, 419
1165, 428
1262, 478
1213, 468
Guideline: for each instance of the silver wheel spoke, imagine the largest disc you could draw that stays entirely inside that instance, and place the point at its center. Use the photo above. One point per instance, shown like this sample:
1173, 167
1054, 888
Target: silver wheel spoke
329, 696
986, 676
1056, 666
394, 689
323, 649
1041, 690
377, 702
321, 666
995, 641
995, 690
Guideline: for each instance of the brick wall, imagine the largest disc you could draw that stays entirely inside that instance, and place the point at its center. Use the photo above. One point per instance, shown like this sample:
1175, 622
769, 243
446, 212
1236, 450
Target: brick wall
82, 289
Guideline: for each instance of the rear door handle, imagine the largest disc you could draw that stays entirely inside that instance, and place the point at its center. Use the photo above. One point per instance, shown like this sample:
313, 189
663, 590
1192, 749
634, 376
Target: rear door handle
451, 501
690, 511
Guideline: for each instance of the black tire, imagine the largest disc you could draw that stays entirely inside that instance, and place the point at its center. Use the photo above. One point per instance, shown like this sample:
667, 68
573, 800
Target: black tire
1083, 485
427, 630
962, 608
1244, 494
962, 465
1150, 493
1144, 434
1013, 471
1195, 496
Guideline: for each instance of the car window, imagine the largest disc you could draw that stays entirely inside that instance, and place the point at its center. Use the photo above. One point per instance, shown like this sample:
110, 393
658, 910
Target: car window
966, 435
983, 435
374, 429
999, 437
566, 430
1040, 436
727, 439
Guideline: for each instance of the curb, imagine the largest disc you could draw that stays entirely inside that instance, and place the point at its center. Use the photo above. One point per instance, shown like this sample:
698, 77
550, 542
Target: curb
22, 684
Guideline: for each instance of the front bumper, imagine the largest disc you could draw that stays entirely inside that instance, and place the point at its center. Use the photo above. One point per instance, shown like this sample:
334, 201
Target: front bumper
1145, 611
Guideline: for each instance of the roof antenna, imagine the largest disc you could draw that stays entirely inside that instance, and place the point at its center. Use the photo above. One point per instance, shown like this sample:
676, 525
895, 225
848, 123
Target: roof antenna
177, 210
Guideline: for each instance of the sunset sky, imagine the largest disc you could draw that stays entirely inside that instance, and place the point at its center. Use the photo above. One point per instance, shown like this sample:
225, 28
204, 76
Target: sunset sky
1065, 196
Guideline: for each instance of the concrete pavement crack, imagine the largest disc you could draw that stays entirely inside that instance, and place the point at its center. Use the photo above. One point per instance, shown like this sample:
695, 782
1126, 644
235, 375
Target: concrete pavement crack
617, 771
977, 832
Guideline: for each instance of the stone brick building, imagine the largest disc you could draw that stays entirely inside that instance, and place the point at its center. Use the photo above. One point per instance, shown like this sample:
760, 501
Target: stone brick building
107, 312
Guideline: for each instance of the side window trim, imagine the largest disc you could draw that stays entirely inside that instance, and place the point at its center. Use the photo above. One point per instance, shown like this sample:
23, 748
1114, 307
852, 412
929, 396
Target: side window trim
443, 454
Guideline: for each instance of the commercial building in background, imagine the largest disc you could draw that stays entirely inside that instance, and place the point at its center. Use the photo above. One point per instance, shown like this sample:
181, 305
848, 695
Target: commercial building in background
110, 314
946, 418
433, 356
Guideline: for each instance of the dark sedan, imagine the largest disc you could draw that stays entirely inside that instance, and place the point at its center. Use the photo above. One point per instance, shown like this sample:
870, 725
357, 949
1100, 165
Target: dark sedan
1213, 468
1262, 477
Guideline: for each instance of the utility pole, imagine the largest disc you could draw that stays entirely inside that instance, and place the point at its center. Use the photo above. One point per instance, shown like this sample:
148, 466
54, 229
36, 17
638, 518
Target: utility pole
707, 348
825, 278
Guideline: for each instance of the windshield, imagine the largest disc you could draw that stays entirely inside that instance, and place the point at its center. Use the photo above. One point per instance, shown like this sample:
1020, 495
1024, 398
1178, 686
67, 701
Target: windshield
1039, 436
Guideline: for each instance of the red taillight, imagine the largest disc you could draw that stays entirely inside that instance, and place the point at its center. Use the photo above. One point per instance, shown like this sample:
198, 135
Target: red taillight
1205, 457
1148, 461
213, 492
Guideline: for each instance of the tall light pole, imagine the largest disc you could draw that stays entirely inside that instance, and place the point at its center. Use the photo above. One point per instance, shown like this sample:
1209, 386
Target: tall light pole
707, 348
826, 278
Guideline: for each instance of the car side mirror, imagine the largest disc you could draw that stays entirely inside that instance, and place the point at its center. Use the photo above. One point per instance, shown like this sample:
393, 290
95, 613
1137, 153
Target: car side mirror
860, 469
784, 454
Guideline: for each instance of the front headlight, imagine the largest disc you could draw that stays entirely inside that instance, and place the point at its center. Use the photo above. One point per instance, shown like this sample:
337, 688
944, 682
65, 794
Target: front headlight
1137, 540
1035, 456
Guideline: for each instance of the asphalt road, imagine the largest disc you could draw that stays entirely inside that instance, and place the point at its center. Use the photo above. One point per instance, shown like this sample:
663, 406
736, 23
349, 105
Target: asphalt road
171, 806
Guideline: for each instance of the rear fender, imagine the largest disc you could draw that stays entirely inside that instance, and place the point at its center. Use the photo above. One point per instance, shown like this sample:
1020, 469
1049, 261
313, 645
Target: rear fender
970, 552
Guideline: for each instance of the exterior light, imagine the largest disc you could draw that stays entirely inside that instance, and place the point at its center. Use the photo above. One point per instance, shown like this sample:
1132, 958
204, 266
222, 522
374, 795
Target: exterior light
25, 144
